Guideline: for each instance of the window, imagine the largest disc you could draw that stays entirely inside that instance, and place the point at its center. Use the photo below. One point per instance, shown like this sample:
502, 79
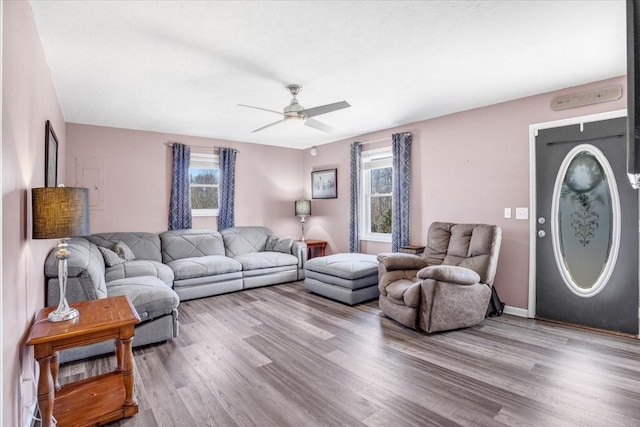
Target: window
204, 177
377, 178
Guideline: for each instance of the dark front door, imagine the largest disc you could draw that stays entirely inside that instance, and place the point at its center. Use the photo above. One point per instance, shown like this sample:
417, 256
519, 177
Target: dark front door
586, 227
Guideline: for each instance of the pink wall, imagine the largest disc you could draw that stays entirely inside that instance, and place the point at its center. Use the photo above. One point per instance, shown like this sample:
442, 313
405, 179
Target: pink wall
466, 167
29, 99
138, 179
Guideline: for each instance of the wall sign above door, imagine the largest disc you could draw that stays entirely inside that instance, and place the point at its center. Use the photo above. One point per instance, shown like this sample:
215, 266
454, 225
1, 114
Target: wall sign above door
588, 97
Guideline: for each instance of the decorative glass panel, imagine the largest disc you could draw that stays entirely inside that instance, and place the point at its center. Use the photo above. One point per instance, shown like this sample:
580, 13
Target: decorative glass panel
585, 228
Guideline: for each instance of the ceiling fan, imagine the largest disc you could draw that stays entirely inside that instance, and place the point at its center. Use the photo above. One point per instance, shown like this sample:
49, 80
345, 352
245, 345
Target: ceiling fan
295, 111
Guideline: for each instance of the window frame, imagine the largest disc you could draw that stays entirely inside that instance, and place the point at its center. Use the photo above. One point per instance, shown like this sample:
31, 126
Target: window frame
380, 158
214, 160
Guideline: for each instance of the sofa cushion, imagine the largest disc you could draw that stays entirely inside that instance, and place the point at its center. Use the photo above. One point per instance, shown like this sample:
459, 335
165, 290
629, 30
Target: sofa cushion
143, 245
140, 267
258, 260
200, 266
179, 244
149, 295
243, 240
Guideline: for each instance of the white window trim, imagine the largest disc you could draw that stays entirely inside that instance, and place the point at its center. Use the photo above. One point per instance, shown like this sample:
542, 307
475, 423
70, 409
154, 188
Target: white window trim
214, 160
369, 162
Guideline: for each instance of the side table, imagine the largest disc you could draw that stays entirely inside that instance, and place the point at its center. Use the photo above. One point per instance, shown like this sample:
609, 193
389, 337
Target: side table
412, 249
91, 401
316, 248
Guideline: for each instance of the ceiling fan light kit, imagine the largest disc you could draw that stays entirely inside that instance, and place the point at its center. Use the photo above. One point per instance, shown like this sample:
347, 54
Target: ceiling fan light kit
296, 113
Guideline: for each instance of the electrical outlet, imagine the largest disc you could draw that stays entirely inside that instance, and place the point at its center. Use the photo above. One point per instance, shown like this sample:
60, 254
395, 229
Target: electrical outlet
522, 213
507, 212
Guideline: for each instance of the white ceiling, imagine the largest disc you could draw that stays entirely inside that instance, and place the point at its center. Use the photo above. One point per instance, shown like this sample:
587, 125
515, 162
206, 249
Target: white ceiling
182, 67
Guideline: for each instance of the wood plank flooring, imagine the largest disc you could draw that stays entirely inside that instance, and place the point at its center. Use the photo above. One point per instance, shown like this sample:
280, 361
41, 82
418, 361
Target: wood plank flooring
279, 356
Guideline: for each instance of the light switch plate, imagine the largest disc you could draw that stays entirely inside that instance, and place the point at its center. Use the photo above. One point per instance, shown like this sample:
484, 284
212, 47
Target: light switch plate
522, 213
507, 212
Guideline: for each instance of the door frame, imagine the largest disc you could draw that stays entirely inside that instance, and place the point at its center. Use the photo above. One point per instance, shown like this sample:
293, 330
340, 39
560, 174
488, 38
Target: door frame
533, 133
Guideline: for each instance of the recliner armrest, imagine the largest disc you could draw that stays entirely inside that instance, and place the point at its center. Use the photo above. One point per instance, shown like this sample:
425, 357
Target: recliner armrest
399, 261
450, 273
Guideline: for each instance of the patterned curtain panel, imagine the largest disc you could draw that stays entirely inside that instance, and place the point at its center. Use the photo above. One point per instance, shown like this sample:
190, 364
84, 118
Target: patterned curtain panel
356, 176
227, 188
401, 147
180, 203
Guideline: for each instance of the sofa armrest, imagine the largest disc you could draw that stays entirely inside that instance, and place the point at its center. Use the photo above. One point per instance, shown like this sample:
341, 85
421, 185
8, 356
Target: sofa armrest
450, 274
399, 261
86, 272
299, 250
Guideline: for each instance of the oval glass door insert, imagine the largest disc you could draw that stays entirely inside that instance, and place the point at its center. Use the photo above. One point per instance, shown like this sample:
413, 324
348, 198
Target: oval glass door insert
585, 226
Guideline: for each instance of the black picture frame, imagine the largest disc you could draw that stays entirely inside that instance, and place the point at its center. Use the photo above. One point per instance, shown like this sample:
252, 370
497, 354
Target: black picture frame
50, 157
324, 184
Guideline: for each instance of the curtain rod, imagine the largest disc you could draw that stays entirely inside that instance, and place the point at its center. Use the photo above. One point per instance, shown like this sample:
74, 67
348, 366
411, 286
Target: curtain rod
382, 139
171, 144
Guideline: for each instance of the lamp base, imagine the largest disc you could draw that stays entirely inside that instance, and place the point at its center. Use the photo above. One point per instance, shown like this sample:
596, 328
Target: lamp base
63, 312
63, 315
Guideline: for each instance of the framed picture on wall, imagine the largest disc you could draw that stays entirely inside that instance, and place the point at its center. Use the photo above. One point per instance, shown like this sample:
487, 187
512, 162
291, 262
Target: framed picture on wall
324, 184
50, 157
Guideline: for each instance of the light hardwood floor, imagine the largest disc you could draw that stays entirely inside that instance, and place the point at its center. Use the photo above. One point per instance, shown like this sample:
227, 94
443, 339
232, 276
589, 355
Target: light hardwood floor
279, 356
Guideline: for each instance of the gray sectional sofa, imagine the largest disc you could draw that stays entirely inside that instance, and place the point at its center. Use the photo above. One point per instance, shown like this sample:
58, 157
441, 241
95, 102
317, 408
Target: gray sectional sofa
156, 272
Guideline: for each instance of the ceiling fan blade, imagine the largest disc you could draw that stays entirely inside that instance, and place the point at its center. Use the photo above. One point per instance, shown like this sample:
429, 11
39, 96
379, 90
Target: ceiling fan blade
280, 113
324, 109
313, 123
266, 126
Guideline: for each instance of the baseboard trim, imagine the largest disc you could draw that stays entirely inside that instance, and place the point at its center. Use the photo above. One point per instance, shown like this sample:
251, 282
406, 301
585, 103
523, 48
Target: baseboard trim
516, 311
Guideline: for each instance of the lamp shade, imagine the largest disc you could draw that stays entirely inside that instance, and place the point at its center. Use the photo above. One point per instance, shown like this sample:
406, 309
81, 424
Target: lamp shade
303, 207
60, 212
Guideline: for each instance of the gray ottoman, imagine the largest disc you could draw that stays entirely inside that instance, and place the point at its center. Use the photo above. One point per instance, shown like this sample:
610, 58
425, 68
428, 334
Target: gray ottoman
349, 278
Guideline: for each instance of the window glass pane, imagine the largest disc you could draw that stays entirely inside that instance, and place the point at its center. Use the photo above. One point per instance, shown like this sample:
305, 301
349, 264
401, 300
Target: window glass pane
204, 197
381, 181
377, 180
381, 214
203, 176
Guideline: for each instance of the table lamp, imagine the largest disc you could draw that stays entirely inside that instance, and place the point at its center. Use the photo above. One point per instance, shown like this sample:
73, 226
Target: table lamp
60, 213
303, 209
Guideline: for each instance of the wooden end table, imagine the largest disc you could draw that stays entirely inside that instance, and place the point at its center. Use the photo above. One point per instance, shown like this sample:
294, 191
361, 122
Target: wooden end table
316, 248
412, 249
91, 401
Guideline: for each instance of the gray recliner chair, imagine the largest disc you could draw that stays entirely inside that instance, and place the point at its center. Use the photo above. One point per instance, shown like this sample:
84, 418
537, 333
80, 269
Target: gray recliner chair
449, 285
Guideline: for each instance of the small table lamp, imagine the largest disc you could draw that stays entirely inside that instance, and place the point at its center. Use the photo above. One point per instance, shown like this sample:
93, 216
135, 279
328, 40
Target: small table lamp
59, 213
303, 209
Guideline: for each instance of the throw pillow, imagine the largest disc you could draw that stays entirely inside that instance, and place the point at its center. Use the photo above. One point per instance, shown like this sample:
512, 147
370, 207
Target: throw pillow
110, 258
124, 251
283, 245
271, 243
